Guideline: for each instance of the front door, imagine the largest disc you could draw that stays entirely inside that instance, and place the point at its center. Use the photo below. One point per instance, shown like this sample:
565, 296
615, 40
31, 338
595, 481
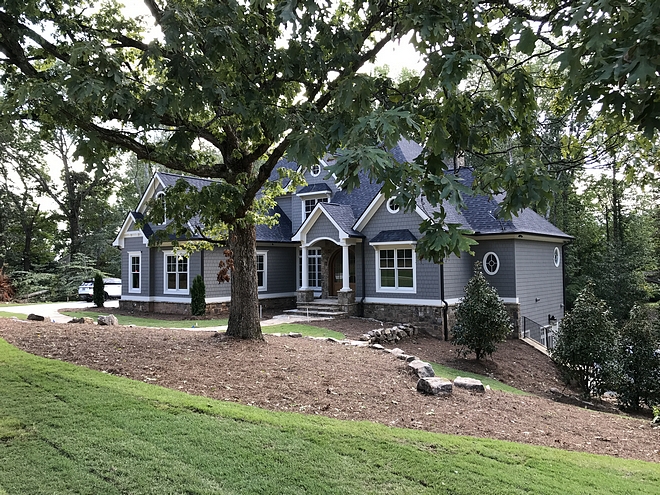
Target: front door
336, 271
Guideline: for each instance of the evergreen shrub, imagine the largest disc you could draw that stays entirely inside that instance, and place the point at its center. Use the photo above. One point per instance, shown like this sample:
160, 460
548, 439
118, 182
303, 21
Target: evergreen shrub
98, 295
198, 297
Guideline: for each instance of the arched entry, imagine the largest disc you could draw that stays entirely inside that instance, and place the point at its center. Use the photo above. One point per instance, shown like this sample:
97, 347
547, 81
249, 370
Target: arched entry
335, 278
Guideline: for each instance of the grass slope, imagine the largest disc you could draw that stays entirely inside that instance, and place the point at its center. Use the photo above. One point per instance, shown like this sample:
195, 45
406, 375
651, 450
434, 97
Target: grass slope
9, 314
451, 373
67, 429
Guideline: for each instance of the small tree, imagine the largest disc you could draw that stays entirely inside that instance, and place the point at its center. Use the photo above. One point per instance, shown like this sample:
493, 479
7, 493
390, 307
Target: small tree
585, 344
99, 291
198, 296
637, 377
481, 318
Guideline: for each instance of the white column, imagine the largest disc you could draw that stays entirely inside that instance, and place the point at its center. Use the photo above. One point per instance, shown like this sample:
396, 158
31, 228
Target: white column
345, 272
305, 268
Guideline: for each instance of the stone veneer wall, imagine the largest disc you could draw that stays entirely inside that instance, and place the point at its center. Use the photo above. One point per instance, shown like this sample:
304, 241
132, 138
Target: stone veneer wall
212, 309
429, 318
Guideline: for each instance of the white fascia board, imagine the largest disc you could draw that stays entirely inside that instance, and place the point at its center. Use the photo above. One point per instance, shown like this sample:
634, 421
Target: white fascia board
149, 192
314, 194
392, 243
124, 233
311, 220
403, 302
374, 206
506, 300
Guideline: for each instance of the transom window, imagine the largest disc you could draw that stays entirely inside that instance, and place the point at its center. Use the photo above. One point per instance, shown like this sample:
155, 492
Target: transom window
261, 270
134, 261
396, 269
311, 203
176, 273
557, 257
491, 263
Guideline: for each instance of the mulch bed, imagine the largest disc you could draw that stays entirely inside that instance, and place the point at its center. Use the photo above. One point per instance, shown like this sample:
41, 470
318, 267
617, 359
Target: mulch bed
345, 382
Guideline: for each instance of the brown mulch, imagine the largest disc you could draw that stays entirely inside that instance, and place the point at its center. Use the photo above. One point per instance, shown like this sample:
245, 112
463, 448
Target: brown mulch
345, 382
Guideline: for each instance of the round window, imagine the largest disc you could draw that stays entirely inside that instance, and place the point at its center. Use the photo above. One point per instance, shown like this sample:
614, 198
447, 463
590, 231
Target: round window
315, 170
391, 206
557, 257
491, 263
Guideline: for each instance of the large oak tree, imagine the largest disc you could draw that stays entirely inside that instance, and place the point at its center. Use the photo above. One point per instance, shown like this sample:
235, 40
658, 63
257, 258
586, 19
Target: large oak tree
224, 89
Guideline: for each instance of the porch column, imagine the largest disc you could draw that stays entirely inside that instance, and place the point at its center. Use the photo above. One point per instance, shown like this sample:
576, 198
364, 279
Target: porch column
305, 268
345, 287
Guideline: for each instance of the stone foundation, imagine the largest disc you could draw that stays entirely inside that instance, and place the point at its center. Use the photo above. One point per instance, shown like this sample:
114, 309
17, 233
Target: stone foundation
346, 300
426, 318
212, 309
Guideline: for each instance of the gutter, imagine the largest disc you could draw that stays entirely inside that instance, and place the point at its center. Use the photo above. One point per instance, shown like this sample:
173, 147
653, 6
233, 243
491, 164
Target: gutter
442, 299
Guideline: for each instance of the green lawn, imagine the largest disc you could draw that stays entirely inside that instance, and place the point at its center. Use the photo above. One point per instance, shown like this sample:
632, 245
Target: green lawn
68, 429
451, 373
9, 314
306, 330
151, 322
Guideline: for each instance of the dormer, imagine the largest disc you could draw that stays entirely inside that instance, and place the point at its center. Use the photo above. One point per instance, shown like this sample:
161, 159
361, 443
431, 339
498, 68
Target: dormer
313, 194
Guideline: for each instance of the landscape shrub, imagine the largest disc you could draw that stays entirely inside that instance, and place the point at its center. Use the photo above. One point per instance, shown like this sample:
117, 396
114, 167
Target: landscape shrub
98, 295
6, 289
585, 344
481, 318
198, 297
637, 371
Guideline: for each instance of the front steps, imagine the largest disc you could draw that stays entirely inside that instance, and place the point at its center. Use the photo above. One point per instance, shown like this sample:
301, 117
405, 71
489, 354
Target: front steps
318, 308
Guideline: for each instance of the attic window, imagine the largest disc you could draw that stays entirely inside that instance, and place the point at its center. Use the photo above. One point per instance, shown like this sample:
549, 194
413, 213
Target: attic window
392, 207
491, 263
315, 170
557, 257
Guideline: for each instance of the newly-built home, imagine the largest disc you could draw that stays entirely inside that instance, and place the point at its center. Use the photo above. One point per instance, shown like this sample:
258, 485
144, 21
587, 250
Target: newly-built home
354, 252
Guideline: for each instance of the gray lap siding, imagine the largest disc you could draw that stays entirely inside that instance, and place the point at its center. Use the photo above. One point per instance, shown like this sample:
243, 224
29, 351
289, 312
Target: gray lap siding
457, 272
427, 274
214, 289
133, 245
158, 271
323, 228
281, 268
505, 278
539, 281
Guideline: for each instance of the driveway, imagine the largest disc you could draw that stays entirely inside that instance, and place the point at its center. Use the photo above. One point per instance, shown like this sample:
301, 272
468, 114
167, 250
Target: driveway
50, 311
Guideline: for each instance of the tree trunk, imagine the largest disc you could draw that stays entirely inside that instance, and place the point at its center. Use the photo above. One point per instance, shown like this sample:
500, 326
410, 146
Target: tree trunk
244, 309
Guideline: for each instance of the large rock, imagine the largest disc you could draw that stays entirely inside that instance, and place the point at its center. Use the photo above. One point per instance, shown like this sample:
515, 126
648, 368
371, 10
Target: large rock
421, 368
434, 386
110, 320
471, 384
33, 317
88, 321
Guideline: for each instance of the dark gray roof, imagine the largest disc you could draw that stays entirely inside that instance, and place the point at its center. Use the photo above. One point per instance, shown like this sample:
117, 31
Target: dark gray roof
359, 198
146, 228
406, 151
343, 216
169, 180
283, 163
313, 188
394, 236
281, 232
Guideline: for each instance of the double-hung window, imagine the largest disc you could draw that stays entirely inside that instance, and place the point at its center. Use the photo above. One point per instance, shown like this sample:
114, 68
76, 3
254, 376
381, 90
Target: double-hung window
395, 269
262, 264
176, 273
311, 203
135, 269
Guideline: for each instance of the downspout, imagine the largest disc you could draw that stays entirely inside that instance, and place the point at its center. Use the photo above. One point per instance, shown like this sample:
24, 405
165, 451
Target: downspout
563, 274
444, 303
364, 282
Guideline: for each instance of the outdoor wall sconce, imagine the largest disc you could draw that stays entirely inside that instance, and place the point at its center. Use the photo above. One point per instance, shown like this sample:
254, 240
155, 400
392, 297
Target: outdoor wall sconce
537, 299
551, 319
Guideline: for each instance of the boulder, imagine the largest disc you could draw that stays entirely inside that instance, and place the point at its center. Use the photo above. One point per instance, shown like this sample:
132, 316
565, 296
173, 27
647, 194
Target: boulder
471, 384
421, 368
434, 386
88, 321
33, 317
110, 320
377, 346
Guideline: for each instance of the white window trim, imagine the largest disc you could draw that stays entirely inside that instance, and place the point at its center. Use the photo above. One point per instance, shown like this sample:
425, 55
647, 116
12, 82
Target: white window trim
175, 291
131, 255
556, 257
483, 261
315, 196
391, 207
395, 245
311, 170
264, 287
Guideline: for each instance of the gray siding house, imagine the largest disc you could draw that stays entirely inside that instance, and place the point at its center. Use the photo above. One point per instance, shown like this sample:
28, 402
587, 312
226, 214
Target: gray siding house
357, 251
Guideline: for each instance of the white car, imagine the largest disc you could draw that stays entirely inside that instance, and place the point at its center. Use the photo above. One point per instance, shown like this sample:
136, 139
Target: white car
111, 289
